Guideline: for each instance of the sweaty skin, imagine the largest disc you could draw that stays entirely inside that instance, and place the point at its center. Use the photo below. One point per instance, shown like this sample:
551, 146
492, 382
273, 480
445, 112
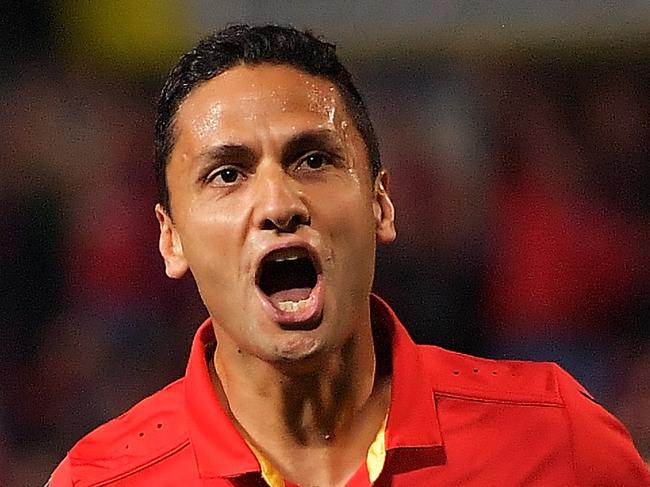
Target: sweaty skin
241, 186
216, 230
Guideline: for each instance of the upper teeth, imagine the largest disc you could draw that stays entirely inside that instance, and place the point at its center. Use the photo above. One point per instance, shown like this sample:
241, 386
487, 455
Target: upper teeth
288, 254
282, 259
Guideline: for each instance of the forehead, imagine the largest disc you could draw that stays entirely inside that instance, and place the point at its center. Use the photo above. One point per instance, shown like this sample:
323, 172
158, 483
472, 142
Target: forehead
246, 96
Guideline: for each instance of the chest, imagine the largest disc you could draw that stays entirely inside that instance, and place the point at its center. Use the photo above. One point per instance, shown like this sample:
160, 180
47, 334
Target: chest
494, 444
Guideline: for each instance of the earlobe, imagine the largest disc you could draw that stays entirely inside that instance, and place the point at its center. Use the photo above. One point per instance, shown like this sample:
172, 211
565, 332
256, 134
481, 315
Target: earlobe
170, 246
383, 209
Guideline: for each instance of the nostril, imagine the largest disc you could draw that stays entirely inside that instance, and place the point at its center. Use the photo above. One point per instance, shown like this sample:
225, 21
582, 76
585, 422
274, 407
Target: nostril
268, 225
298, 220
286, 225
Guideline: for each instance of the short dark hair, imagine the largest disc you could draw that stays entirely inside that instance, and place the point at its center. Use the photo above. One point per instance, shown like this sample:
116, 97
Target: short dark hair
244, 44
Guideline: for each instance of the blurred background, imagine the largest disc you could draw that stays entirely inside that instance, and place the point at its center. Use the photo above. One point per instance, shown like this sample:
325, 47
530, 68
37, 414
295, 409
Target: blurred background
516, 134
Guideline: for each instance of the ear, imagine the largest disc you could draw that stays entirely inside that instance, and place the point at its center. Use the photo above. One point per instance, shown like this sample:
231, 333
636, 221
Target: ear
170, 246
383, 209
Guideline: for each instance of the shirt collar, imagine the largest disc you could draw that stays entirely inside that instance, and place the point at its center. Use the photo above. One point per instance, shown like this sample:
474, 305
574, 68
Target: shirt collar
412, 427
219, 448
412, 417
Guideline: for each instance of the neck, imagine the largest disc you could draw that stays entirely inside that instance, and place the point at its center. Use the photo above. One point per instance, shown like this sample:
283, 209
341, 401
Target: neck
317, 402
333, 406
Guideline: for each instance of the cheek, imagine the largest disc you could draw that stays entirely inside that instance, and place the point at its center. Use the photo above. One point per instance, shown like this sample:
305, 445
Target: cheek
352, 227
211, 237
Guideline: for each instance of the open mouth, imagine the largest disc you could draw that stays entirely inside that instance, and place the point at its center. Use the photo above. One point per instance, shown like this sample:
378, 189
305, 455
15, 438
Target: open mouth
287, 278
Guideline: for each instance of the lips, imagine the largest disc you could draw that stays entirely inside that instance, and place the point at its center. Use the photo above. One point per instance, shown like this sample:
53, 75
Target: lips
288, 281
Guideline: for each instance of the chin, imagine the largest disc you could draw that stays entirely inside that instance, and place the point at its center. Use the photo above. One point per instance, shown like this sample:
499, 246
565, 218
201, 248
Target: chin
299, 352
298, 344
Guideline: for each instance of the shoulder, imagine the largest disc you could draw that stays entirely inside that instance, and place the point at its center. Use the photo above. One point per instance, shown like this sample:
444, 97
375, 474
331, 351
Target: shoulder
603, 451
600, 447
152, 429
515, 381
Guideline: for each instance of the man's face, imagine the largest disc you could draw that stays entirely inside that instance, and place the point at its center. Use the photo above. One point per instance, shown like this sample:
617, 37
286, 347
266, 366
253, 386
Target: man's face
274, 211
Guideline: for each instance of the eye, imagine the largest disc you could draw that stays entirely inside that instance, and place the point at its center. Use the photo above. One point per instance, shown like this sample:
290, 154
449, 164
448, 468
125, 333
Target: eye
314, 160
224, 176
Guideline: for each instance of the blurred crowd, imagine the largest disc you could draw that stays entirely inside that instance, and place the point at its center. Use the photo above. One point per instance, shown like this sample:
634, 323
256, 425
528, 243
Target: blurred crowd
522, 190
523, 202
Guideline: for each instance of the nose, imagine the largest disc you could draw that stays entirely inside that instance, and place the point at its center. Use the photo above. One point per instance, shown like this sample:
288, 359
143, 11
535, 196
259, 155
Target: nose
279, 204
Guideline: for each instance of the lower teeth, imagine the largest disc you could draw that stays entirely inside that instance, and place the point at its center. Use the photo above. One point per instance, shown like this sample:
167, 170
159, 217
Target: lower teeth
292, 305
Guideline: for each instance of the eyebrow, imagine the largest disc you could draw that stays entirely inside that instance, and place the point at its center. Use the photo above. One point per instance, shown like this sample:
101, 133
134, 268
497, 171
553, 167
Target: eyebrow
325, 139
227, 154
241, 154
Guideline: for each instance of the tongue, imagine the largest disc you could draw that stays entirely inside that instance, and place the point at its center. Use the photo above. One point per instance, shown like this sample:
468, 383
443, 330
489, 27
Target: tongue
295, 294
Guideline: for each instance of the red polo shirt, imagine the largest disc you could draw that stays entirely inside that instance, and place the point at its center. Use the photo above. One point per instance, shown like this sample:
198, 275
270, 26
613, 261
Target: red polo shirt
453, 420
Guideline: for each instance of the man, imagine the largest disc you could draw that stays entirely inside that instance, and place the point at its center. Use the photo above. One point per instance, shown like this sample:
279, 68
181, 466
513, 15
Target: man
272, 194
